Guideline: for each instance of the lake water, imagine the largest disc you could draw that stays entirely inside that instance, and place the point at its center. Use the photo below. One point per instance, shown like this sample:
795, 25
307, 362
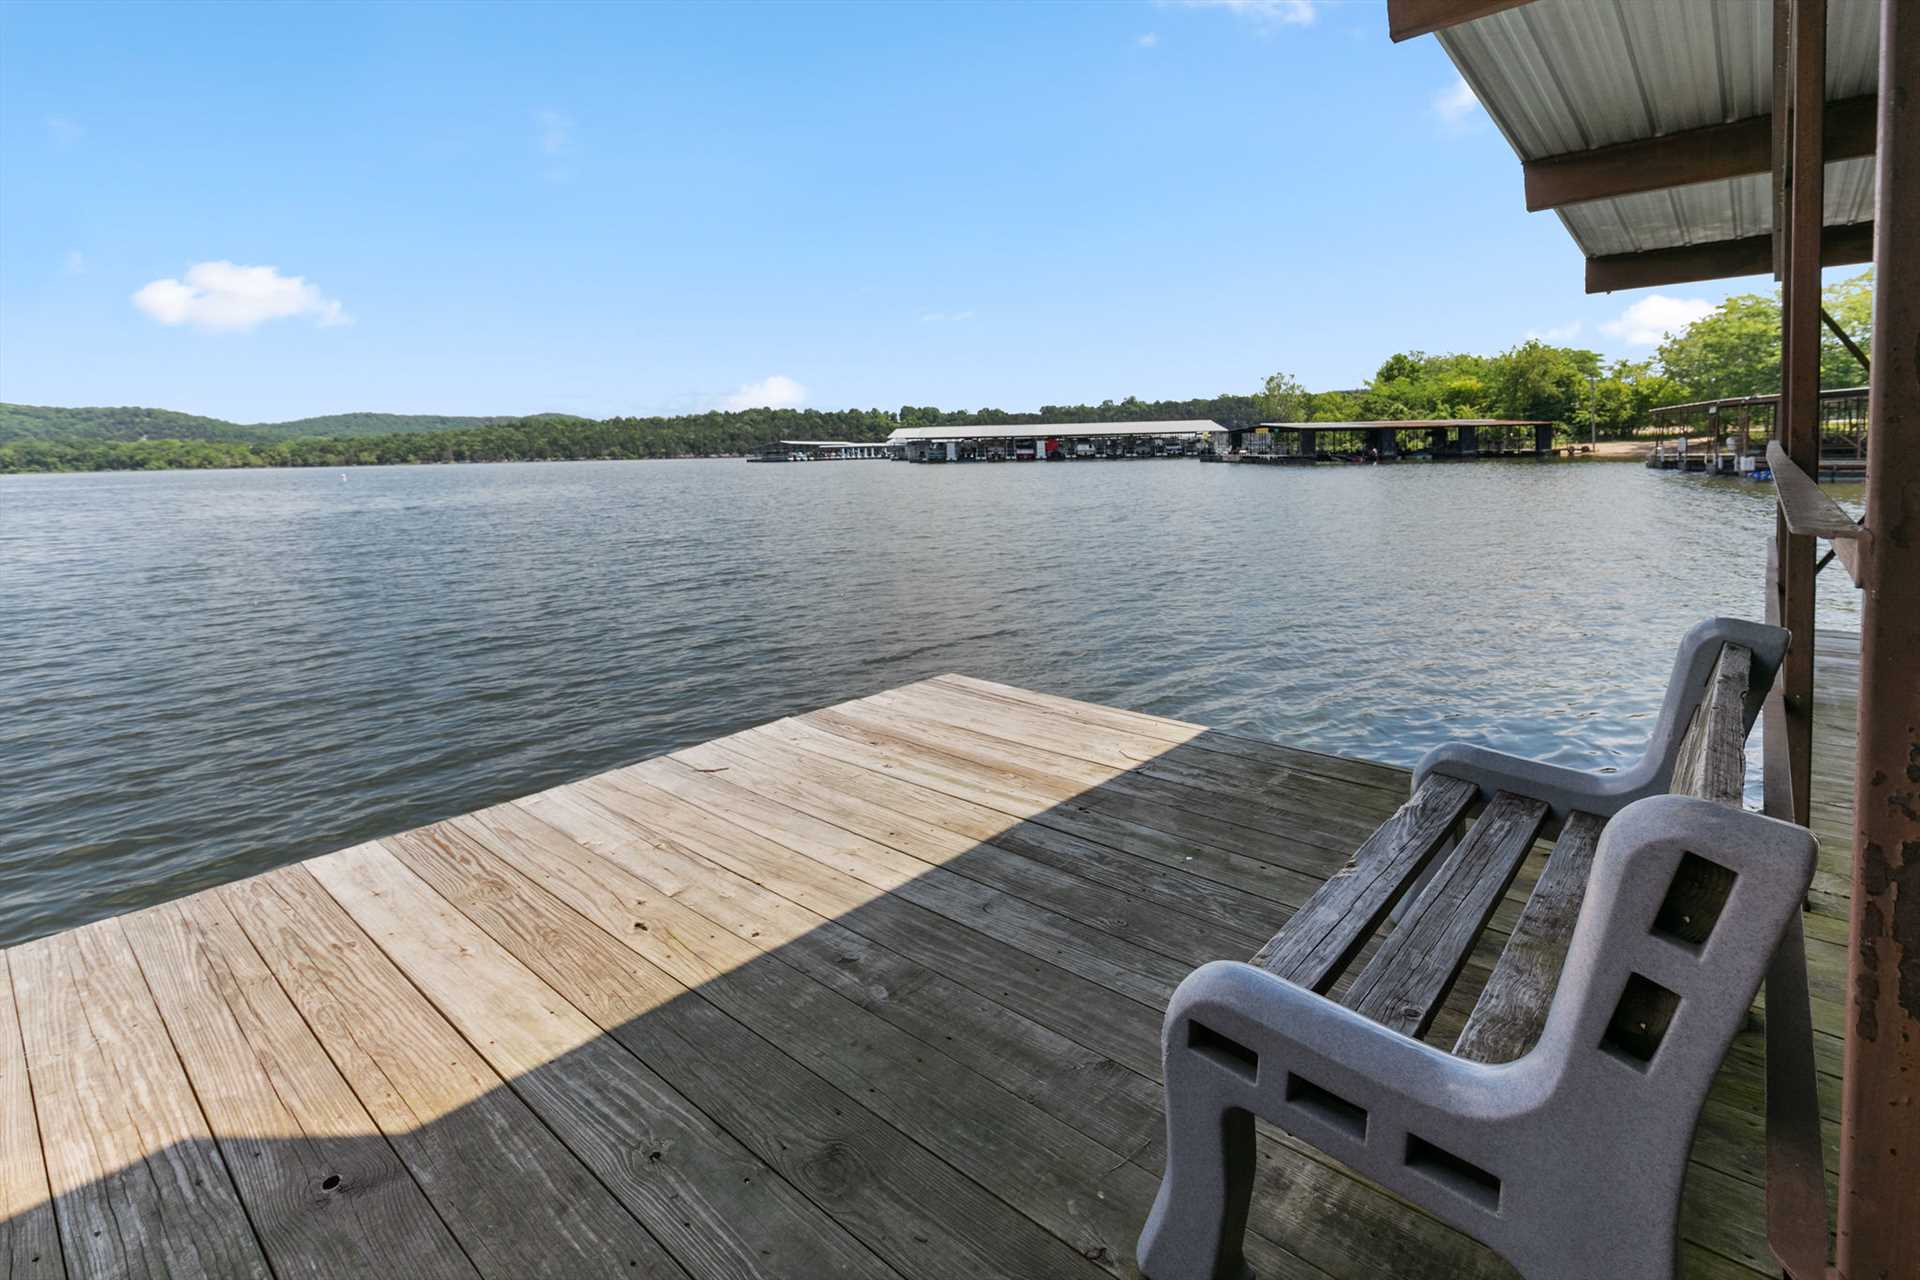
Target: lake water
206, 675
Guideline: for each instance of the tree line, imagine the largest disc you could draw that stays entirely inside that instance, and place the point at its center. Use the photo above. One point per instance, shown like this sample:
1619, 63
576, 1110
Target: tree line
1733, 351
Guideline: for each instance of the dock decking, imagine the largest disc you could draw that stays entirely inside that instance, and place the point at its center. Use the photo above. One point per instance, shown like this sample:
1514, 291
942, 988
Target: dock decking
870, 992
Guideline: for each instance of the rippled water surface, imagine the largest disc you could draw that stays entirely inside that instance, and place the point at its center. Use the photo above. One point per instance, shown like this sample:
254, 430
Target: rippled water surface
205, 675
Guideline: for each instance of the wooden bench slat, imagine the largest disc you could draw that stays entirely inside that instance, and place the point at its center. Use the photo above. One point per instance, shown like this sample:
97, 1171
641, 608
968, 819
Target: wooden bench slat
1409, 977
1712, 764
1507, 1019
1330, 928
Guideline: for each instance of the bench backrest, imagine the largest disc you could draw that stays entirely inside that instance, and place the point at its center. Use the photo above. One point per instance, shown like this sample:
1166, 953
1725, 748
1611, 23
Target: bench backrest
1712, 764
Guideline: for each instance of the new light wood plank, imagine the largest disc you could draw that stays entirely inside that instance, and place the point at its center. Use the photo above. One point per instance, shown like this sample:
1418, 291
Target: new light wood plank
1329, 930
1512, 1009
140, 1188
718, 1209
324, 1190
1404, 984
29, 1238
518, 1201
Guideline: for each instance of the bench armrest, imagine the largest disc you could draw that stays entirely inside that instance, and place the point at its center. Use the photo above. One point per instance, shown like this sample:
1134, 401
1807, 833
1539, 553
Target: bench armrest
1605, 794
1544, 1157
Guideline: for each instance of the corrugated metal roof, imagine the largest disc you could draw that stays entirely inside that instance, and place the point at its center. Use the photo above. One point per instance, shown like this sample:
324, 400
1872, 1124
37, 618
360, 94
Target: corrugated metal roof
1026, 430
836, 444
1561, 76
1407, 424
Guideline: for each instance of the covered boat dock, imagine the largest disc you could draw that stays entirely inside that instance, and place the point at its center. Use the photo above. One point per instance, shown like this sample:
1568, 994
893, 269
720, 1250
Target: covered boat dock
1053, 441
1386, 441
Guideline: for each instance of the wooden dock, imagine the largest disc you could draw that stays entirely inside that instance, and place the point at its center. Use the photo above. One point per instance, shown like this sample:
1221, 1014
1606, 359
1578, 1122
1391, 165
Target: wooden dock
870, 992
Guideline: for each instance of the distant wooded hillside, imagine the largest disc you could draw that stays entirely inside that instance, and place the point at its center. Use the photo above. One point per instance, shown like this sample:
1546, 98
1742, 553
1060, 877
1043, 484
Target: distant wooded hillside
156, 439
42, 422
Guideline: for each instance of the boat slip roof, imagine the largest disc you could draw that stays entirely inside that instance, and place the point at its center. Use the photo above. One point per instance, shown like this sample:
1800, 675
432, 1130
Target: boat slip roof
1036, 430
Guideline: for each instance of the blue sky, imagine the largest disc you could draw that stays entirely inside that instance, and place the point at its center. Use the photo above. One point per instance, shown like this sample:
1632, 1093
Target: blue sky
654, 209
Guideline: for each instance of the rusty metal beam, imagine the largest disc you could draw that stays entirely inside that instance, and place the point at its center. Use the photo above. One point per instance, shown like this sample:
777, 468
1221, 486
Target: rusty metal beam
1409, 18
1799, 417
1796, 1195
1880, 1093
1719, 260
1708, 154
1846, 340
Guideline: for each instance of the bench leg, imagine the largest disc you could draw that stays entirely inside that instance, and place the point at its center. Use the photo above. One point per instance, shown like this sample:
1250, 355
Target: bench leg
1200, 1216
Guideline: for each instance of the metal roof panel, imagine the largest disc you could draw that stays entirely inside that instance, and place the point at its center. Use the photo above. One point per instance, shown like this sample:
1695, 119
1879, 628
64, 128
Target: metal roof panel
1560, 76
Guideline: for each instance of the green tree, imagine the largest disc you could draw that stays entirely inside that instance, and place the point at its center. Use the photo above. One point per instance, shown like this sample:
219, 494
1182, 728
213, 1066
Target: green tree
1850, 303
1544, 382
1283, 399
1732, 351
1335, 406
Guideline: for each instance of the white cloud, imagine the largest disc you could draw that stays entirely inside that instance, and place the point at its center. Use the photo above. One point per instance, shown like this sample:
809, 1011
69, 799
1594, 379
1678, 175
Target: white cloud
1279, 13
1147, 40
775, 392
65, 130
1455, 103
1648, 321
946, 317
1557, 333
76, 262
223, 296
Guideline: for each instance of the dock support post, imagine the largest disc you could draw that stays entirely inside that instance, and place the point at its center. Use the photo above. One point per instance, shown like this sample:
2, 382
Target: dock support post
1880, 1091
1804, 23
1543, 439
1469, 442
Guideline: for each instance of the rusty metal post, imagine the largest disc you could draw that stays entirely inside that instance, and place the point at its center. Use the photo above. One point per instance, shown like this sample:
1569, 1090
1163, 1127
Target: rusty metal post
1798, 426
1879, 1229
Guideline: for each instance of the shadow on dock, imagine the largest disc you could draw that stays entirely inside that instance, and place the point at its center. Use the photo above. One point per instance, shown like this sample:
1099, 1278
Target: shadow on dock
870, 992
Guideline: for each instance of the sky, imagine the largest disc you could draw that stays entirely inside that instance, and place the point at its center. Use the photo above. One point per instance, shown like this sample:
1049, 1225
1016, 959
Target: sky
269, 212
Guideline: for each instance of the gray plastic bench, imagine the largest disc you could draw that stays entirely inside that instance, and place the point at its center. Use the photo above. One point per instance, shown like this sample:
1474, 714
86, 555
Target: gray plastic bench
1557, 1130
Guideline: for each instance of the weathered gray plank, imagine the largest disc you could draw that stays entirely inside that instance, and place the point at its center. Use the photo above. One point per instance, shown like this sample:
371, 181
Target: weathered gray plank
1512, 1008
914, 1210
1405, 983
29, 1238
1221, 909
1124, 912
1806, 507
1335, 923
1713, 759
1254, 751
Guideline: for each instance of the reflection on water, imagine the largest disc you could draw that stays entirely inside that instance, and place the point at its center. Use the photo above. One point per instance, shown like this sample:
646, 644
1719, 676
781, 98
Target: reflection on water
206, 675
